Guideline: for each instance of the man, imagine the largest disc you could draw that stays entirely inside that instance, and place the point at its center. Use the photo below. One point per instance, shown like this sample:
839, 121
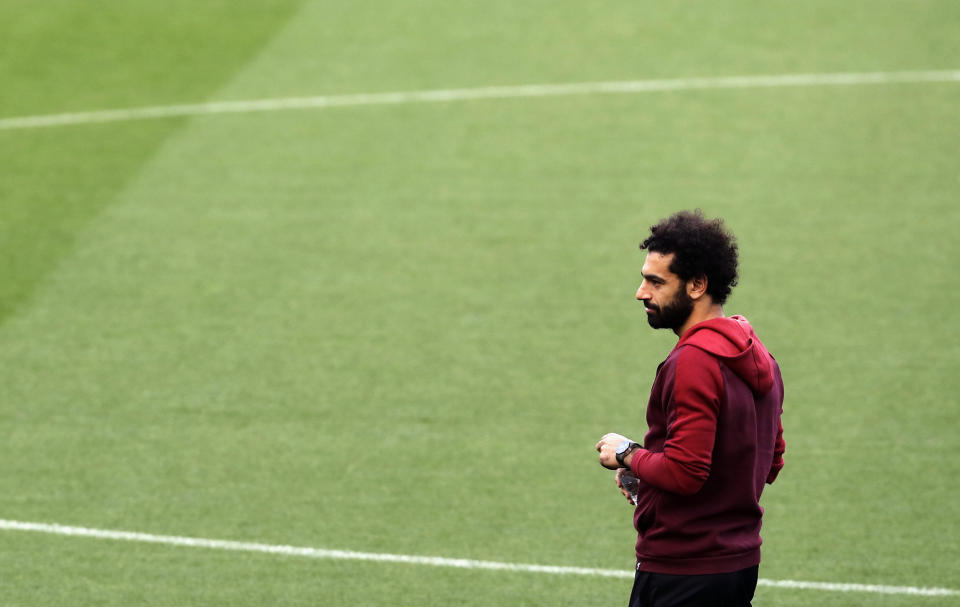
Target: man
714, 433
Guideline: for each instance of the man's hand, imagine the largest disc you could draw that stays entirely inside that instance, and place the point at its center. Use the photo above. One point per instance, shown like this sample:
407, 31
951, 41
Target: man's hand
619, 480
608, 449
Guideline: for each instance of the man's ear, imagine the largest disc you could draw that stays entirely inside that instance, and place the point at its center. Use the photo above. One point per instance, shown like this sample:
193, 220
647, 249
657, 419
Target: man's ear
697, 287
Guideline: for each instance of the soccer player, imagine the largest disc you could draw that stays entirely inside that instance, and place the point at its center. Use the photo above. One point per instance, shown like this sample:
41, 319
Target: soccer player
714, 434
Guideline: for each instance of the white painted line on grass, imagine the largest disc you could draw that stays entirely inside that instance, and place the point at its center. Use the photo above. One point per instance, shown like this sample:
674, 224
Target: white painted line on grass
319, 553
492, 92
874, 588
435, 561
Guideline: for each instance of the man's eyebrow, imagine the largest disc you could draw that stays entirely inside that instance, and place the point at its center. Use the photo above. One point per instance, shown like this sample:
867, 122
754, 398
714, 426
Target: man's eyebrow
653, 277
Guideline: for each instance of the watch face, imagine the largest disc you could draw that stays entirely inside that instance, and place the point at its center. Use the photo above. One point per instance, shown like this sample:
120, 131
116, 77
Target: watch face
622, 447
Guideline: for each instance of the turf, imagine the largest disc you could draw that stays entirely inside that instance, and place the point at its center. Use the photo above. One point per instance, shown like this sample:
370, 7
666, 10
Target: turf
402, 328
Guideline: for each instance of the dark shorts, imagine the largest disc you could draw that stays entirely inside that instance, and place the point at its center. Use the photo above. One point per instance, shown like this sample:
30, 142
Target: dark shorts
714, 590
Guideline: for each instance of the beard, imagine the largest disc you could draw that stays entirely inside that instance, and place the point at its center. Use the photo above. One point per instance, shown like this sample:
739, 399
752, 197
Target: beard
672, 314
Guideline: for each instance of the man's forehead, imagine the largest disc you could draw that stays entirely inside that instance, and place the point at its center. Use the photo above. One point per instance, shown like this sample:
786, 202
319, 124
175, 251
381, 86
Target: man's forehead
658, 264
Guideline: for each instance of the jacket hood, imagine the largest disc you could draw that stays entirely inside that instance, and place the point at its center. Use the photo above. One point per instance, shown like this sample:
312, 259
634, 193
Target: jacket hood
733, 341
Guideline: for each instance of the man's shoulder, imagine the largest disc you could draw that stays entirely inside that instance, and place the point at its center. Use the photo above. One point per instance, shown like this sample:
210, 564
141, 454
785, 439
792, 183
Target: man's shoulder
693, 354
687, 359
691, 374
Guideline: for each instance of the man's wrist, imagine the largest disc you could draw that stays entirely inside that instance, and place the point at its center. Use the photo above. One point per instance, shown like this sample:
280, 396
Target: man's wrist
625, 452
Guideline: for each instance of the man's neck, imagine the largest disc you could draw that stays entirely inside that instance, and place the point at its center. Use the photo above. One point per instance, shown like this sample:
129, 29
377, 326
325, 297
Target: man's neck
701, 312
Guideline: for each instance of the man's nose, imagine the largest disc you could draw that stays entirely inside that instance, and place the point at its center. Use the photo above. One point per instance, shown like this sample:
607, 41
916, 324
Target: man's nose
641, 295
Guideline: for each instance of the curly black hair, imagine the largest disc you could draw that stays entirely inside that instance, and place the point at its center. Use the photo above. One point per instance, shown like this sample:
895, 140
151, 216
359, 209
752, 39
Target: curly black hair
701, 247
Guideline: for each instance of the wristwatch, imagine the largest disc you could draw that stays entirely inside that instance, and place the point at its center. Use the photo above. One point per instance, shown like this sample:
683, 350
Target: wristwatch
624, 449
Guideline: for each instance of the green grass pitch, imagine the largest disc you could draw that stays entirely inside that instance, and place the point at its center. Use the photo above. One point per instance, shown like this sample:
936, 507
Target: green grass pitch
401, 328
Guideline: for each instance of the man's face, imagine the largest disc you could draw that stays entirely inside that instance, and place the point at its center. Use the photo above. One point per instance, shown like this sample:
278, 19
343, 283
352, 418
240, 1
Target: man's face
663, 294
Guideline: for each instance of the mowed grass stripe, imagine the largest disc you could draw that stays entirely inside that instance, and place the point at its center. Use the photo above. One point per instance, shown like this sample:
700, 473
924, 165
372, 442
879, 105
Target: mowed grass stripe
323, 553
492, 92
55, 182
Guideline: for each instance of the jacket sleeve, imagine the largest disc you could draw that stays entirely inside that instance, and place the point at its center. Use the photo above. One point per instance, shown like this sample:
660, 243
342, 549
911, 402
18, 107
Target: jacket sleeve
779, 447
684, 464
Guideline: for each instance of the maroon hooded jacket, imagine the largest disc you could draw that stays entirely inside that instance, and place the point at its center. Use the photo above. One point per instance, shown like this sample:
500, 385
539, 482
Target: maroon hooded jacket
714, 439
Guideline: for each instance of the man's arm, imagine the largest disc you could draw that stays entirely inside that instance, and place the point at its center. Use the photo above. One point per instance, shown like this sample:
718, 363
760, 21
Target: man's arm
778, 448
684, 464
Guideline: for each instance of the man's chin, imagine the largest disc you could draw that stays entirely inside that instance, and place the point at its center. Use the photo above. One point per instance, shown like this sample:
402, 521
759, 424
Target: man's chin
656, 320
